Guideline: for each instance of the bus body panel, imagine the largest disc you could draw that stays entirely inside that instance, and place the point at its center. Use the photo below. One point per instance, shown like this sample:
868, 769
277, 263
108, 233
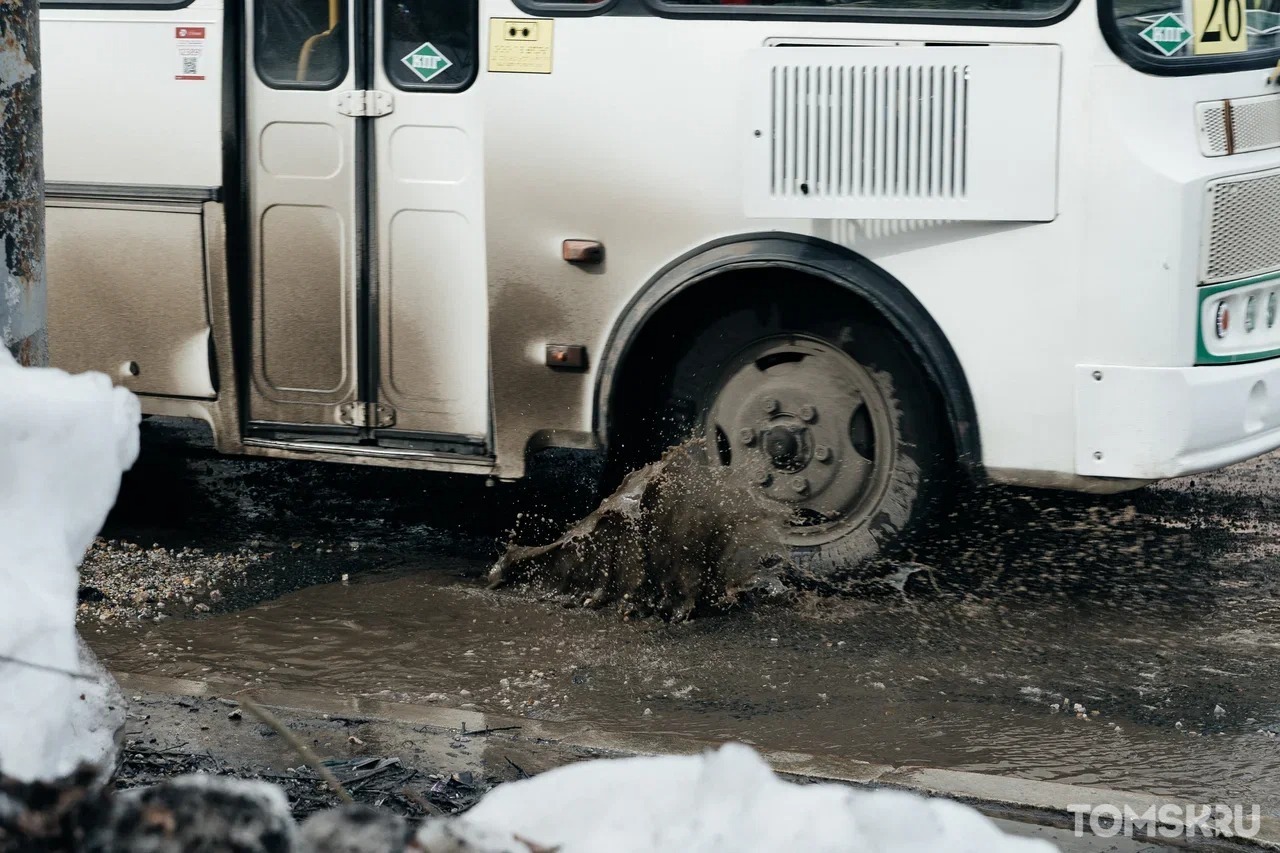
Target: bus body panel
635, 140
972, 277
132, 154
115, 108
1141, 408
145, 320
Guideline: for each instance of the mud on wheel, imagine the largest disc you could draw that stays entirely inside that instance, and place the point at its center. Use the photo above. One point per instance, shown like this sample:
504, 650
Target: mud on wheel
826, 420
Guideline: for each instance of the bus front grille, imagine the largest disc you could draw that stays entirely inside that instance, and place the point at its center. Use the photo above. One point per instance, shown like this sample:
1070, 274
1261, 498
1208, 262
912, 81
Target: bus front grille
1242, 238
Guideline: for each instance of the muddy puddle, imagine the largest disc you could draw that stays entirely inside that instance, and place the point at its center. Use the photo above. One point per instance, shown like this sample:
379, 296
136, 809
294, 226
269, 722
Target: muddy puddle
962, 685
1158, 613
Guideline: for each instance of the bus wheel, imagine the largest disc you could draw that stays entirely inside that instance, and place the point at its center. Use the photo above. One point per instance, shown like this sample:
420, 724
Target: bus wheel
827, 423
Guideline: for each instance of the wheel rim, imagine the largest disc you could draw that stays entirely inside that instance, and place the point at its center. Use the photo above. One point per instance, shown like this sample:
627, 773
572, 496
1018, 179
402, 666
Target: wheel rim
806, 430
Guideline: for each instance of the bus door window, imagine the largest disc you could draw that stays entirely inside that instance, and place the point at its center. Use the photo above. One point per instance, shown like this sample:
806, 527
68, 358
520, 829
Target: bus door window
448, 26
301, 44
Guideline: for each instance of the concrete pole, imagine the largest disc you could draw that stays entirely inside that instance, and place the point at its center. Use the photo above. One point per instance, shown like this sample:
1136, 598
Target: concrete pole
23, 327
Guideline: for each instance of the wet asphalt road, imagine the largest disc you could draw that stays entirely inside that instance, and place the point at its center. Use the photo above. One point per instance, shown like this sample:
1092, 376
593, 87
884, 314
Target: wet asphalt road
1157, 612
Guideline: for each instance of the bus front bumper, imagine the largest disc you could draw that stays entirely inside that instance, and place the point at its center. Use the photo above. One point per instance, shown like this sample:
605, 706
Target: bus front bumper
1150, 423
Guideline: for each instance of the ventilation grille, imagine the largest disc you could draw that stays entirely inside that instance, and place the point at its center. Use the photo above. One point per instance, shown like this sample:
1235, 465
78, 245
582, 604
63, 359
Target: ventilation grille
1213, 130
1254, 125
872, 131
1243, 238
964, 133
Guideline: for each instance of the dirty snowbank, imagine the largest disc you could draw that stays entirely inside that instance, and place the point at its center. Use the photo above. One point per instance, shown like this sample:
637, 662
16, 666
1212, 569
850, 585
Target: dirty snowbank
723, 801
728, 800
64, 442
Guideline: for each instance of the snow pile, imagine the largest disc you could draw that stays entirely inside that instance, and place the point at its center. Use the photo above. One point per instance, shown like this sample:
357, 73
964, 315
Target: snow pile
198, 812
727, 800
64, 442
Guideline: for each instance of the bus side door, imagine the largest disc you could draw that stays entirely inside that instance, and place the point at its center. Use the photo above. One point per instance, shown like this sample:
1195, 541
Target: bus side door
302, 159
429, 218
365, 152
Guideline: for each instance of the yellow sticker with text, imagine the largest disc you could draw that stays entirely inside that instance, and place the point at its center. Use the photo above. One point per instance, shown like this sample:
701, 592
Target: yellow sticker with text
1218, 26
520, 45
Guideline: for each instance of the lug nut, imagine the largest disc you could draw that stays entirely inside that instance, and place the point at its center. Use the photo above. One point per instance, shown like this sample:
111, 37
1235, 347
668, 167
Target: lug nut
747, 436
822, 453
771, 406
799, 485
808, 414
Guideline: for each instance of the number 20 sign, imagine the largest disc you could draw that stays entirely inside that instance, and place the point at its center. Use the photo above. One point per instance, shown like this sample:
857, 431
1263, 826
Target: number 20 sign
1219, 26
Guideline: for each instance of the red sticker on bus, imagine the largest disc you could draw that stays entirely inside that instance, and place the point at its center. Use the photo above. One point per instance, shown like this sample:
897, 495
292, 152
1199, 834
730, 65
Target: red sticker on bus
190, 53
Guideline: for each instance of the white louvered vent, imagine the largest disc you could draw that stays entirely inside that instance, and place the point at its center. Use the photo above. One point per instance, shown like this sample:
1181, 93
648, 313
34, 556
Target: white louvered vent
903, 132
869, 131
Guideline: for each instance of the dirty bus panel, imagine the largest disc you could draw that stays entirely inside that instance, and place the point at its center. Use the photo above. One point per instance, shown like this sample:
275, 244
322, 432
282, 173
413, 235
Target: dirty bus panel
303, 226
133, 193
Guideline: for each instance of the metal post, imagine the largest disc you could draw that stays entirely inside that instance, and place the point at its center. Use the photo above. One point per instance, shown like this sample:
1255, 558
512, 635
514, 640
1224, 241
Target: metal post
22, 271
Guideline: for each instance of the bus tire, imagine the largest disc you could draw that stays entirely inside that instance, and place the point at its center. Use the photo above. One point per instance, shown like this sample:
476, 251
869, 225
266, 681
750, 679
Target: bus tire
828, 418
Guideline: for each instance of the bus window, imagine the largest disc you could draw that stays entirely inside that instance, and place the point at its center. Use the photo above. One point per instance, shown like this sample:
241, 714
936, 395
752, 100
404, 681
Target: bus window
1145, 29
427, 28
300, 44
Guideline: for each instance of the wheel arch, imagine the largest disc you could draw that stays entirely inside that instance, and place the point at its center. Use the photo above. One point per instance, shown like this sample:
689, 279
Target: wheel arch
816, 258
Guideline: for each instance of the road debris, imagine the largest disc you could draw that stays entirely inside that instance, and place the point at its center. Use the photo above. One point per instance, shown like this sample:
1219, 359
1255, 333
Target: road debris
123, 580
169, 737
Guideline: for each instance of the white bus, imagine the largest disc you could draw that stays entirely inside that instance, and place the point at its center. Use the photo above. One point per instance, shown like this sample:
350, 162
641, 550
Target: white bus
858, 244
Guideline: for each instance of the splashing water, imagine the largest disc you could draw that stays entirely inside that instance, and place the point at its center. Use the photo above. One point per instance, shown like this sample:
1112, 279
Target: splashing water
678, 537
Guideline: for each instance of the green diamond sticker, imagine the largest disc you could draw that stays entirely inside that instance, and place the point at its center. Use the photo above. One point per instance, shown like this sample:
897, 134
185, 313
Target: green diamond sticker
427, 62
1167, 34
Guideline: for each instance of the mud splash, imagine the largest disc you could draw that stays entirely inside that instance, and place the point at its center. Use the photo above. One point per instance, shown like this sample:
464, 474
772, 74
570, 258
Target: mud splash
677, 538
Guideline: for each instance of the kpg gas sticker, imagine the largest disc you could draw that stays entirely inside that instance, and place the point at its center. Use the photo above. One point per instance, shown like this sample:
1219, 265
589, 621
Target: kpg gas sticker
190, 42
